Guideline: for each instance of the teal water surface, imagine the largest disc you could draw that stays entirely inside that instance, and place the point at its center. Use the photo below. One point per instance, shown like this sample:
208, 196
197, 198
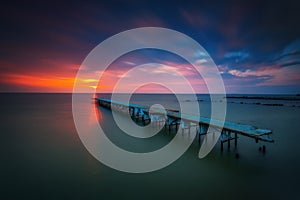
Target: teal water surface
43, 157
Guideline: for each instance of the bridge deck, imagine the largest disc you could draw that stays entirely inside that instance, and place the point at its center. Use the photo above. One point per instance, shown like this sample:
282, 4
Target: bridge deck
228, 127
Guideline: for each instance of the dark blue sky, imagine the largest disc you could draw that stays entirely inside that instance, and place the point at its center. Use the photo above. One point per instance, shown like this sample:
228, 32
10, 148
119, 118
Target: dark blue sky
255, 44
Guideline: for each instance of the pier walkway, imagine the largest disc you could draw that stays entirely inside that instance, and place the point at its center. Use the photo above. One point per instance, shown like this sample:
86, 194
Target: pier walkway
173, 119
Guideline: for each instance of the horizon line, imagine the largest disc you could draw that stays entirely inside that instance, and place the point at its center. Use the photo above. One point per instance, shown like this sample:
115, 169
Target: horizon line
146, 93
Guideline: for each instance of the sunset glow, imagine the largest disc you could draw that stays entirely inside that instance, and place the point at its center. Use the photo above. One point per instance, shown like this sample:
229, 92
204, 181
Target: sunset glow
46, 56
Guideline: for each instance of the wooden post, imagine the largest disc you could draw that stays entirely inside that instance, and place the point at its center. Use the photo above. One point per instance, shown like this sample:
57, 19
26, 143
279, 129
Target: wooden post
235, 139
221, 145
137, 114
228, 139
144, 120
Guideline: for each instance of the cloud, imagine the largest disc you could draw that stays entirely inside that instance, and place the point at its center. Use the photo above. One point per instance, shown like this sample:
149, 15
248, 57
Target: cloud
223, 69
201, 54
129, 63
271, 75
238, 56
289, 56
292, 49
246, 73
157, 68
201, 61
284, 76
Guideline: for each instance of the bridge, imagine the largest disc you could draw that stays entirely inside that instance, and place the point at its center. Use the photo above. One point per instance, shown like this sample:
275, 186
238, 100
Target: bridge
173, 119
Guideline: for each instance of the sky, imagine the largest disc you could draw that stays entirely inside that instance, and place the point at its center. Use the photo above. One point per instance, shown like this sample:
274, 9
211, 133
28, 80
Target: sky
254, 44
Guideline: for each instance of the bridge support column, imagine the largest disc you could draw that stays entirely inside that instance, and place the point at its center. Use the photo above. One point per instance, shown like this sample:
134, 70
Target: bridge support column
228, 141
235, 139
221, 145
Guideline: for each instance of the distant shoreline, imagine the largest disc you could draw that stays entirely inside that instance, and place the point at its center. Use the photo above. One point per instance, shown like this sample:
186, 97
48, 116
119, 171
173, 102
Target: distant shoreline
292, 98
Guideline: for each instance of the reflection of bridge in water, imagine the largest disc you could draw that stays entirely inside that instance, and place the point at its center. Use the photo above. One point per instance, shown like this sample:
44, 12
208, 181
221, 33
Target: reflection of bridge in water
173, 119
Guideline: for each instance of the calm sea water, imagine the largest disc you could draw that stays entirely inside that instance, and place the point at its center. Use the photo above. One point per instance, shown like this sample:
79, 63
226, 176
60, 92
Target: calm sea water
43, 157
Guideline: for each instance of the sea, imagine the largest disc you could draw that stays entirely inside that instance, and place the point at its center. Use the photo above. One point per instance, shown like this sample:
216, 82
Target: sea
42, 156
